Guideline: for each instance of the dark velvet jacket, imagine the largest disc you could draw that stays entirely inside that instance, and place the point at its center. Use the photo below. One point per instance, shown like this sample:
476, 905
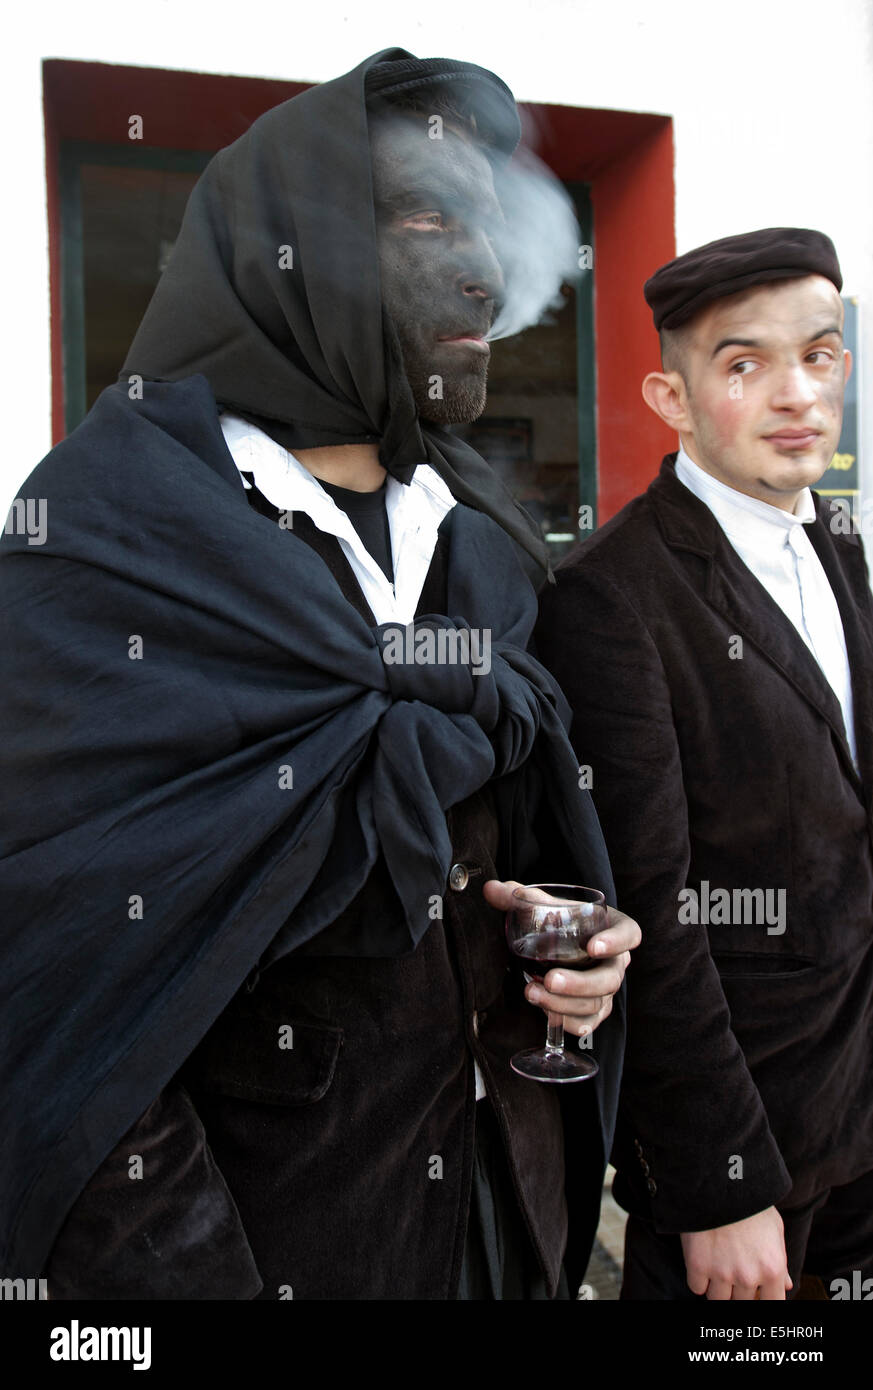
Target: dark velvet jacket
339, 1167
748, 1077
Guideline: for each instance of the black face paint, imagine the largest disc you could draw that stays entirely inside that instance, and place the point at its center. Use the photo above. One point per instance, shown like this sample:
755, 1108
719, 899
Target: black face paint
438, 225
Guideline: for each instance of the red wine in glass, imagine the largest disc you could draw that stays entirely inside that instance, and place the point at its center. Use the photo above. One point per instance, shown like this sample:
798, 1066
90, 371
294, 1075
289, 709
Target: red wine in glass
550, 949
548, 927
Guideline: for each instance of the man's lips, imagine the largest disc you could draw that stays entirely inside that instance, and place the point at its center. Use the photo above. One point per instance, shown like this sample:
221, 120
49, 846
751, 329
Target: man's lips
467, 340
793, 438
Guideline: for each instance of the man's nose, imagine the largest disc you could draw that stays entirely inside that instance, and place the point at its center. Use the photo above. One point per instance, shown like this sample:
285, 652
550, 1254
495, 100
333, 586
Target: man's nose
480, 276
793, 389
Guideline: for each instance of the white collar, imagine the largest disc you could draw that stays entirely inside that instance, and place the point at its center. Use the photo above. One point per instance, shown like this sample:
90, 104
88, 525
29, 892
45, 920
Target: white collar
740, 516
415, 511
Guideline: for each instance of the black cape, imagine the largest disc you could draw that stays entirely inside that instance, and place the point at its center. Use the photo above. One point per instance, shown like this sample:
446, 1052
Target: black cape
304, 349
199, 730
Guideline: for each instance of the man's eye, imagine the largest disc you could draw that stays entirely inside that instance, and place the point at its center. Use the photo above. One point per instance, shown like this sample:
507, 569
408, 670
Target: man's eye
743, 367
823, 354
426, 220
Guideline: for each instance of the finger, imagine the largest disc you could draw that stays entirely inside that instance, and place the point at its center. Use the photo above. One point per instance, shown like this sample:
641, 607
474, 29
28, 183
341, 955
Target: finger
577, 1029
744, 1293
697, 1281
580, 1028
719, 1291
560, 1004
622, 934
498, 892
582, 984
773, 1290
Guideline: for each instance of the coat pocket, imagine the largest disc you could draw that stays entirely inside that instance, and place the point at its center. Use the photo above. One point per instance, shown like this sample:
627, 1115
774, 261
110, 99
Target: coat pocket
259, 1059
752, 965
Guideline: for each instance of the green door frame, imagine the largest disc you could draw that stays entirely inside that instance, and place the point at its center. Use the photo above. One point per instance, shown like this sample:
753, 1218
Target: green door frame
586, 370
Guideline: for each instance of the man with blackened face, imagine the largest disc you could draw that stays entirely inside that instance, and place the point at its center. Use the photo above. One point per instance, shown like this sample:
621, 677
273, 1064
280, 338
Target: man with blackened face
438, 225
307, 1035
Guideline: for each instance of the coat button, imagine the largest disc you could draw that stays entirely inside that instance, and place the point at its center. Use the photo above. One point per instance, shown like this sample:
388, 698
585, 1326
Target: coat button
652, 1186
475, 1025
645, 1167
458, 877
638, 1147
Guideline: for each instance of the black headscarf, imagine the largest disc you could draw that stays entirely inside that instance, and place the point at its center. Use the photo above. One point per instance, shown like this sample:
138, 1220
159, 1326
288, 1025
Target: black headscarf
306, 351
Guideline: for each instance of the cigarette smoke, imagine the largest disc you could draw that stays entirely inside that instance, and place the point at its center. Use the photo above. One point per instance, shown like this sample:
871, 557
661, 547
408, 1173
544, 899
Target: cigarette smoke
541, 249
538, 249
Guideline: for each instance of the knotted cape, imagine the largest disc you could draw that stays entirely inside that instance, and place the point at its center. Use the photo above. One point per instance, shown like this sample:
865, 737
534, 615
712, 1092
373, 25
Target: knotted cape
204, 751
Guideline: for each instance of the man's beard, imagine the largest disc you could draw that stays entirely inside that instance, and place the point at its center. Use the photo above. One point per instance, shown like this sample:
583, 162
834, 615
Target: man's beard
464, 393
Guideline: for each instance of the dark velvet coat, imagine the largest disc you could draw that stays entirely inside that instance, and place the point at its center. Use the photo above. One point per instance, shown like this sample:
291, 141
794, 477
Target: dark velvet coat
340, 1167
748, 1077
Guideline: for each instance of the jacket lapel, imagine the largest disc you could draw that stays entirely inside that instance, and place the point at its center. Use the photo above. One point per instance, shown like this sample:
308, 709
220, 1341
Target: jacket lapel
733, 591
842, 560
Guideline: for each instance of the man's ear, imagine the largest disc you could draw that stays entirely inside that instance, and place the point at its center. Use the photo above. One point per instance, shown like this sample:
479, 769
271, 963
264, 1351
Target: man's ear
666, 395
847, 358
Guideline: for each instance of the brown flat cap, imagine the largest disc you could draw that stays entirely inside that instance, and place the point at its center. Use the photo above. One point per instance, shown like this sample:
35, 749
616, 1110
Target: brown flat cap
677, 291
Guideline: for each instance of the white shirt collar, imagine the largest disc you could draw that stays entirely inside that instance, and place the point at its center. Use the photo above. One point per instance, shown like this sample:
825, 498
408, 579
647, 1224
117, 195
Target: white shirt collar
741, 516
415, 511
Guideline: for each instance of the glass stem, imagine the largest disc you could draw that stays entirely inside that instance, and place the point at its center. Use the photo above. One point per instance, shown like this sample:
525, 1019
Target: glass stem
555, 1035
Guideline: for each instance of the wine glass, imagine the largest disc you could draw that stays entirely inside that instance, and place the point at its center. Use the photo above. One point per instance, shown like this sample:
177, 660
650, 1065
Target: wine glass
548, 927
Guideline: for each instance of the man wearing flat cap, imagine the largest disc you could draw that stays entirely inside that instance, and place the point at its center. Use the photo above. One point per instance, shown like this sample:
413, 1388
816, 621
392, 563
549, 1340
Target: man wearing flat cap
254, 862
715, 640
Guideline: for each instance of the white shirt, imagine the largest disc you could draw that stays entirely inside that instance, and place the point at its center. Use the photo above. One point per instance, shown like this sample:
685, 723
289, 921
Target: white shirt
776, 548
414, 516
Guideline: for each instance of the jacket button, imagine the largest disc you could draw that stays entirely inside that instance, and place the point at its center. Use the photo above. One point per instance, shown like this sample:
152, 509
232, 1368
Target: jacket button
458, 877
652, 1186
645, 1167
638, 1147
475, 1025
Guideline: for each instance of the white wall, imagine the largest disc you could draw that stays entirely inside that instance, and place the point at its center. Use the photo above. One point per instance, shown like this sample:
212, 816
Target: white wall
772, 104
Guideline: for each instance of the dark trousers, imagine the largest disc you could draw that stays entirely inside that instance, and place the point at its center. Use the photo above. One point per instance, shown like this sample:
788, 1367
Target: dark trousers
830, 1237
499, 1259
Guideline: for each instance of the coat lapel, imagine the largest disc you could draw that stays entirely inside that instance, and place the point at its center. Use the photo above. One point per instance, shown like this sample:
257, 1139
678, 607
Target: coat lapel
842, 560
733, 591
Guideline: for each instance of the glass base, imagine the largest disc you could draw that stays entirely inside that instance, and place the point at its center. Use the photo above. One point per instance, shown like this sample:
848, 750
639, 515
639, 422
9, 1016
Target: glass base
545, 1064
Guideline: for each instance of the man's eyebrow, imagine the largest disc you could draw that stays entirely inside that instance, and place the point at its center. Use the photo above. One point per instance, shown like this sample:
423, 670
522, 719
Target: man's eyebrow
414, 193
756, 342
734, 342
831, 329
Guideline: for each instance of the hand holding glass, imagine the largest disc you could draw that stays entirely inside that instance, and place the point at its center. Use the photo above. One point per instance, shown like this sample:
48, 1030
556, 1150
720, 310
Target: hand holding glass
548, 928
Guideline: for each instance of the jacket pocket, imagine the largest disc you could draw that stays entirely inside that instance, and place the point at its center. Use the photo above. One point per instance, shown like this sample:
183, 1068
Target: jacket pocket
752, 965
260, 1059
